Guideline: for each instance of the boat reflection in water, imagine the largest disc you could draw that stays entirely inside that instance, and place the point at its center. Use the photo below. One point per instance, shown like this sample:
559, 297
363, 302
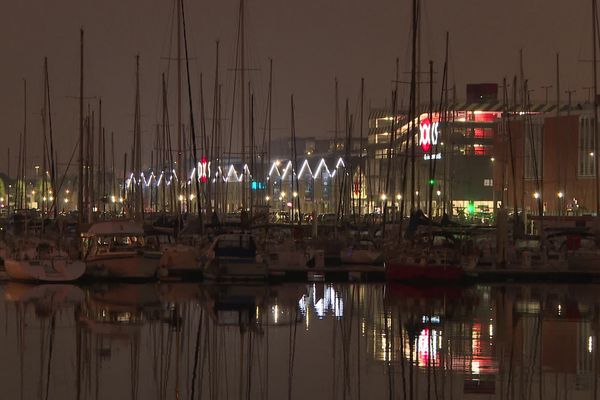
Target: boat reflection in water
319, 341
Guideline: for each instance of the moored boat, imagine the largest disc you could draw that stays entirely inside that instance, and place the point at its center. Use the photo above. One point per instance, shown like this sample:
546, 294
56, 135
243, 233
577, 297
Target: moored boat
40, 260
234, 256
118, 250
438, 256
364, 252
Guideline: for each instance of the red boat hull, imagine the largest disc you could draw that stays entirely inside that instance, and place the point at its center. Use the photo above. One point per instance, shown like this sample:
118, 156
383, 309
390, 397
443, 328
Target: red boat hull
415, 272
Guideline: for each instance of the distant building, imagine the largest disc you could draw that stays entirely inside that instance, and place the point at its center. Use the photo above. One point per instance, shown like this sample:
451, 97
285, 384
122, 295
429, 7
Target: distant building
554, 160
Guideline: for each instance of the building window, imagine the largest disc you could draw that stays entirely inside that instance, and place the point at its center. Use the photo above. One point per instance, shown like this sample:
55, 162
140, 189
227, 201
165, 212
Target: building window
585, 148
488, 182
383, 153
473, 149
533, 151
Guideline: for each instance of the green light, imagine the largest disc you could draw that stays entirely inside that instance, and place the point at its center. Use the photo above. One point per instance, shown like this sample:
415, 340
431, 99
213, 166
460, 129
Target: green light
431, 182
470, 207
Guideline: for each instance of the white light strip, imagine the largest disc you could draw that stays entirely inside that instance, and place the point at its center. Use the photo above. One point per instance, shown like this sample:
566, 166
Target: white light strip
204, 170
286, 170
304, 166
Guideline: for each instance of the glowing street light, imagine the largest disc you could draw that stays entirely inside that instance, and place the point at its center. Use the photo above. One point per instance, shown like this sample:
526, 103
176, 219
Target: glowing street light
295, 194
383, 197
398, 196
536, 195
560, 195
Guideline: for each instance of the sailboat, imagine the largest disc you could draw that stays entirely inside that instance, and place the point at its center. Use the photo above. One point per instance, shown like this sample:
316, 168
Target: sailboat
35, 258
40, 260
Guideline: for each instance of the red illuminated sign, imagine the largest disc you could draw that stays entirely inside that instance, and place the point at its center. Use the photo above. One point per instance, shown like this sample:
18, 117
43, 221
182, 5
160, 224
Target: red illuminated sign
428, 134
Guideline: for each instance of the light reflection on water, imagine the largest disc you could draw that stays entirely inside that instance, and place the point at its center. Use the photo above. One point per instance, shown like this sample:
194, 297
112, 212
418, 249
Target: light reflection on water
319, 341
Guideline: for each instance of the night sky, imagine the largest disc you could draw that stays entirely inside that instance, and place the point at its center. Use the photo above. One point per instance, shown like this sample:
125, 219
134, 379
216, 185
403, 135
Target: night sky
310, 41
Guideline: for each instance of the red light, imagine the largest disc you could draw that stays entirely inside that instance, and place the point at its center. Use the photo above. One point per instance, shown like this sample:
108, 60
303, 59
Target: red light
425, 138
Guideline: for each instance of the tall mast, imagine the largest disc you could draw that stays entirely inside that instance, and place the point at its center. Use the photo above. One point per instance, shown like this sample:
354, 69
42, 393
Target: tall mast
8, 174
557, 84
44, 144
361, 158
24, 148
81, 212
431, 181
213, 155
296, 200
180, 170
412, 107
596, 139
54, 194
113, 172
243, 100
192, 124
442, 112
266, 158
137, 147
101, 184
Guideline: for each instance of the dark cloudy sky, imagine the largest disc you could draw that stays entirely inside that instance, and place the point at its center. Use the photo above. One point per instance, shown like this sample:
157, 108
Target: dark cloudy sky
311, 42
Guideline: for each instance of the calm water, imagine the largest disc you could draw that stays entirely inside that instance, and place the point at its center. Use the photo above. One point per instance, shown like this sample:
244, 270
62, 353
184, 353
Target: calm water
315, 341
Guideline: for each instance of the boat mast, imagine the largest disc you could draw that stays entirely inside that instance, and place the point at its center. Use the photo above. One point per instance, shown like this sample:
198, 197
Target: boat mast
296, 200
269, 121
242, 101
192, 124
412, 103
24, 148
54, 192
441, 111
136, 161
81, 211
361, 158
113, 172
214, 145
596, 139
180, 171
44, 146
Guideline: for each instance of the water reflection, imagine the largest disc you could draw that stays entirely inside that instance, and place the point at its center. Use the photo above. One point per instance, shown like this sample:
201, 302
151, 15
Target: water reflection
323, 341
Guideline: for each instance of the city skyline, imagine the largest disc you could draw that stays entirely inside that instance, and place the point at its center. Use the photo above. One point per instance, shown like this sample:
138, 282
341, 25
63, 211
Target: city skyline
311, 44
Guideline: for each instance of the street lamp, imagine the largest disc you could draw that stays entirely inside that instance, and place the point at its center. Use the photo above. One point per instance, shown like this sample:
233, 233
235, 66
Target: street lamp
560, 196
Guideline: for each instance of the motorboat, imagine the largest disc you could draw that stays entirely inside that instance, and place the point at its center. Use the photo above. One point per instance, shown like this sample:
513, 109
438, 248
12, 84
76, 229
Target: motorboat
234, 256
437, 255
119, 250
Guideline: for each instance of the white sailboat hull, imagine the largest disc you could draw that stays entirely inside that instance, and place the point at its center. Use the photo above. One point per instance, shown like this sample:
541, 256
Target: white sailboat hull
365, 257
54, 269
